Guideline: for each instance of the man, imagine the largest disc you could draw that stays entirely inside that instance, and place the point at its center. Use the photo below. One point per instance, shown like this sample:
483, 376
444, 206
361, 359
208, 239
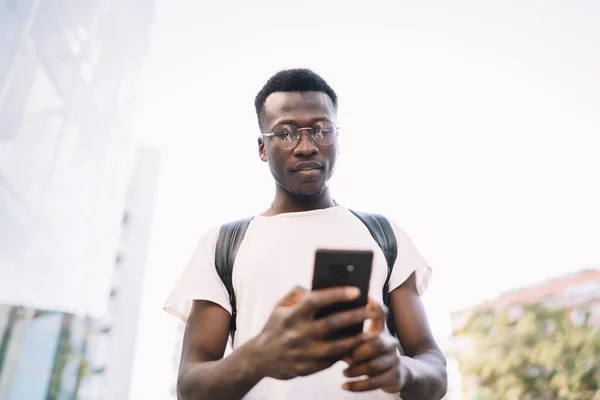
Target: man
279, 351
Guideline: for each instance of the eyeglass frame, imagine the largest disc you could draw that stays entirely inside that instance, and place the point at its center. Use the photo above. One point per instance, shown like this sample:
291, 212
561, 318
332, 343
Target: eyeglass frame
273, 134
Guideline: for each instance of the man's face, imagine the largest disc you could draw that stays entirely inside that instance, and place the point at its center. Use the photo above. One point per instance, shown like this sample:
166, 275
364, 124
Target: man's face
294, 170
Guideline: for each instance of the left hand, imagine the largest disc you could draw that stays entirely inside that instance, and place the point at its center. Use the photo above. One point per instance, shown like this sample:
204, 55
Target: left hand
377, 359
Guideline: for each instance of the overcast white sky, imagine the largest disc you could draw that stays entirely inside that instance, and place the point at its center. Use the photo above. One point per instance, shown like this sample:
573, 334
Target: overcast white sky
474, 125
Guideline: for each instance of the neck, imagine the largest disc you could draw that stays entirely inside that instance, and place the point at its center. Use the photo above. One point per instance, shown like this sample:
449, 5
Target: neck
287, 202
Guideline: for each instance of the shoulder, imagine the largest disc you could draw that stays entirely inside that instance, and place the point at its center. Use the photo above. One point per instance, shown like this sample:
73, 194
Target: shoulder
227, 230
380, 220
212, 234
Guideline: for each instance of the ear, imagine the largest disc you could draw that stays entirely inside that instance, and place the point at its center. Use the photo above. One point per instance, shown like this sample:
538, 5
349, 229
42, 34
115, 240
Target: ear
262, 153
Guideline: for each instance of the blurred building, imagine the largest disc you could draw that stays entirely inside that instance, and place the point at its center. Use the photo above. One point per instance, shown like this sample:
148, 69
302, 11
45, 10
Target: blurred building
112, 344
579, 292
42, 353
67, 79
54, 354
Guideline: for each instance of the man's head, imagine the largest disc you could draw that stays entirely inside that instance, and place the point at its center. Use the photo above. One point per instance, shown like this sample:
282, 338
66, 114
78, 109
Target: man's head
300, 161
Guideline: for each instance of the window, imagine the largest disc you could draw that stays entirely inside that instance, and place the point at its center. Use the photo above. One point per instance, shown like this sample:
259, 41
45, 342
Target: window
582, 290
105, 329
125, 217
39, 343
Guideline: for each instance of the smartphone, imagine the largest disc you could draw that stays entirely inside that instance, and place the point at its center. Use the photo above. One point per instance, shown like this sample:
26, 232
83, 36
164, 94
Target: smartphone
343, 268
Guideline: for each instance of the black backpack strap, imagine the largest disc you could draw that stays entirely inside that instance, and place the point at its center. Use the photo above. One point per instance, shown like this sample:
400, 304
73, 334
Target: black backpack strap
231, 235
228, 243
383, 233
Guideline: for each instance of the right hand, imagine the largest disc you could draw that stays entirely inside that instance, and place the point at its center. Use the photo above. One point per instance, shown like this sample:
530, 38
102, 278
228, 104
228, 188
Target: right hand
292, 342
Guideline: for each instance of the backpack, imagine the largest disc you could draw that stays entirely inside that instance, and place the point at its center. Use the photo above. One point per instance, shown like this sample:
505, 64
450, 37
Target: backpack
232, 233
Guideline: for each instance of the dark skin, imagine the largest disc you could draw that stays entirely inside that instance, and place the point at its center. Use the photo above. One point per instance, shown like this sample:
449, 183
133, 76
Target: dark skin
291, 344
293, 191
421, 374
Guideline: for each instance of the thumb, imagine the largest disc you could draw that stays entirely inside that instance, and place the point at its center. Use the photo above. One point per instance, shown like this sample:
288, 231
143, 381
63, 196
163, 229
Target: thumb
292, 297
377, 317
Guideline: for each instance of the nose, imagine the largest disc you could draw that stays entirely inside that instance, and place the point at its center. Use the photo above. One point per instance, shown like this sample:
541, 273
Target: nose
306, 146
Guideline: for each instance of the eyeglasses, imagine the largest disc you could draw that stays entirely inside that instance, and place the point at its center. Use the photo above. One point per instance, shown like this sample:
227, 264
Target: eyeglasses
287, 136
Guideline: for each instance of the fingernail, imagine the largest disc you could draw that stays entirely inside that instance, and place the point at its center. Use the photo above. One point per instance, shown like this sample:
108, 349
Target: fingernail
368, 335
346, 386
353, 292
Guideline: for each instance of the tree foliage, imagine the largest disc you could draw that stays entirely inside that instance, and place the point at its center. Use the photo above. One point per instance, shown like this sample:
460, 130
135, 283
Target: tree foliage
541, 355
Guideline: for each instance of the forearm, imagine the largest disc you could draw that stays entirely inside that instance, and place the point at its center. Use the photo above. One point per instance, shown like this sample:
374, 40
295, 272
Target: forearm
425, 376
229, 378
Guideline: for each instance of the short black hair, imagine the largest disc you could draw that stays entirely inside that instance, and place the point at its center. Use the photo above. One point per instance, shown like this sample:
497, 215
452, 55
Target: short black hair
292, 80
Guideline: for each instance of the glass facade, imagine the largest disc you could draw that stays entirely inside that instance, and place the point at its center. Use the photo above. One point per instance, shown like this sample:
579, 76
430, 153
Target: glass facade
67, 72
42, 354
67, 79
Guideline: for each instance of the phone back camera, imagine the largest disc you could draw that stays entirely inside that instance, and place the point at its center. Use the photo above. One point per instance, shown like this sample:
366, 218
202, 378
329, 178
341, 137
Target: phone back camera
343, 270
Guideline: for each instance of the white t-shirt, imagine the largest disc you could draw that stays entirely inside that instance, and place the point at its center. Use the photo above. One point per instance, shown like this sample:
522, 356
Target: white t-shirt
277, 253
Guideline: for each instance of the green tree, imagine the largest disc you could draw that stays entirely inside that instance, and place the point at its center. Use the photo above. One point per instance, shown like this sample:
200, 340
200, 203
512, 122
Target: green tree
541, 355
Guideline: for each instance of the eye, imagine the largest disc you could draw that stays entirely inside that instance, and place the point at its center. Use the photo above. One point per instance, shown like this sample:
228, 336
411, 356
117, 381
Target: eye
285, 133
322, 129
320, 132
283, 136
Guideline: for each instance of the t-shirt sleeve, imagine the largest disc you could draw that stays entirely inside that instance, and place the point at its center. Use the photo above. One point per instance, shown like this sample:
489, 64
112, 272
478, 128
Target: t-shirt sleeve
198, 281
409, 260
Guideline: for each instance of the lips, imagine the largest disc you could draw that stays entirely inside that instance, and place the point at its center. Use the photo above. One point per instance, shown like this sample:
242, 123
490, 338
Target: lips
307, 166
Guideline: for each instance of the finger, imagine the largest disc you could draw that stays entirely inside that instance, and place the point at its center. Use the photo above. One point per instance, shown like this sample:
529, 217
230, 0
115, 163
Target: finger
343, 319
309, 368
373, 348
318, 299
373, 367
377, 318
389, 381
334, 349
292, 297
